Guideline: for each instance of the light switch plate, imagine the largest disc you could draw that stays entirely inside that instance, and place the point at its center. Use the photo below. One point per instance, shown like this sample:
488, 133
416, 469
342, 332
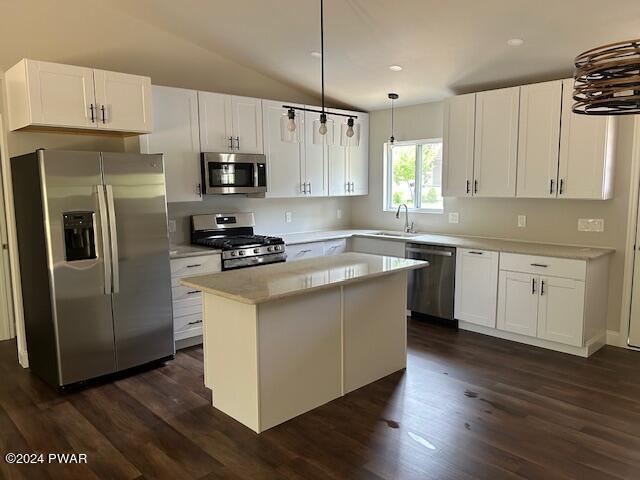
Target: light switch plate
288, 217
454, 217
591, 224
339, 213
172, 226
522, 221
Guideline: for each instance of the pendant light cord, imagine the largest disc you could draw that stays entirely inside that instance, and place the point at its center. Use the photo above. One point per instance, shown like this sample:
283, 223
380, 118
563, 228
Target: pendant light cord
392, 100
322, 48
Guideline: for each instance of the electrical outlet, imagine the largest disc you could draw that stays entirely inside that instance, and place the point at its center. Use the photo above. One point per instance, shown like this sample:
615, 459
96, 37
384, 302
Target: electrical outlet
454, 217
591, 224
339, 213
172, 226
522, 221
288, 217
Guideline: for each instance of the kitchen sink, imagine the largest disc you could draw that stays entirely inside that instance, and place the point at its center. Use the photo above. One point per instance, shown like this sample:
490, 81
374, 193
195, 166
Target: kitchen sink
395, 234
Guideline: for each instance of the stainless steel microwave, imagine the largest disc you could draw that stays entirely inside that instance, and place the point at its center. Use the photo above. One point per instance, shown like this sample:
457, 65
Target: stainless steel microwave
229, 173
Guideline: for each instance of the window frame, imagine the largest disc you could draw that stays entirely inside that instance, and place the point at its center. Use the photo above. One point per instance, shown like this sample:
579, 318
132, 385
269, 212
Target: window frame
387, 200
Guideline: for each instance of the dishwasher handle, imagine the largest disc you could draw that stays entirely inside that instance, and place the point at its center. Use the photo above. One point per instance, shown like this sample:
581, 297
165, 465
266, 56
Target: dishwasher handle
427, 251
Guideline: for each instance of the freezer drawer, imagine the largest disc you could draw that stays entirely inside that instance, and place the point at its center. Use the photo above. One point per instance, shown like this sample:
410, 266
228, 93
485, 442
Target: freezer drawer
431, 290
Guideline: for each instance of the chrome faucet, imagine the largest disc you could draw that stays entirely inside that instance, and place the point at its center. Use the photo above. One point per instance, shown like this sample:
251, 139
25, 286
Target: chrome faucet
407, 228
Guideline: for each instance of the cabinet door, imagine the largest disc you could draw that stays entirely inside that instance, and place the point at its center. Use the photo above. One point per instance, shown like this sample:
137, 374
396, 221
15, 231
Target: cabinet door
476, 286
124, 101
175, 134
561, 310
337, 160
61, 95
458, 146
247, 124
539, 139
358, 154
587, 148
496, 143
216, 125
283, 158
315, 158
518, 303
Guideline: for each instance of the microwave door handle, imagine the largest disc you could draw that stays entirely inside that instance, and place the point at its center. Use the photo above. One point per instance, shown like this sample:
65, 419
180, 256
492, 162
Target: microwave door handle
104, 229
114, 239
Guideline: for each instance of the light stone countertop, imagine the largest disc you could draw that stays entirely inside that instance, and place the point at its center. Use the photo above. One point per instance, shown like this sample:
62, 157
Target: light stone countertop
271, 282
184, 251
459, 241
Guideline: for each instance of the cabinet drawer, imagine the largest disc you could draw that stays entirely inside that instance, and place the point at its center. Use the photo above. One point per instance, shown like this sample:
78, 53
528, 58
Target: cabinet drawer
554, 267
186, 307
305, 250
187, 322
181, 293
186, 267
333, 247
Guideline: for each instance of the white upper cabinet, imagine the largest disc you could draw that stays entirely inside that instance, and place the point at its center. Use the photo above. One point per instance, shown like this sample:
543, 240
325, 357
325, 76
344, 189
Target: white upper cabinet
587, 151
124, 101
284, 158
230, 124
357, 153
458, 145
216, 122
176, 135
496, 143
539, 140
51, 95
476, 286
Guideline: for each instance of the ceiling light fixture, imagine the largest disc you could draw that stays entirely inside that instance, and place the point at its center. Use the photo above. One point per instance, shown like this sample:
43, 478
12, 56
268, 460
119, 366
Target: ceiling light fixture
291, 110
607, 80
393, 97
515, 42
395, 68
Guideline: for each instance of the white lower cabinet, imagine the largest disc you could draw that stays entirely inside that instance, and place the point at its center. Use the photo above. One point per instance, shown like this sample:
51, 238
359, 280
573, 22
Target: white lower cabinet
518, 303
187, 302
476, 286
561, 310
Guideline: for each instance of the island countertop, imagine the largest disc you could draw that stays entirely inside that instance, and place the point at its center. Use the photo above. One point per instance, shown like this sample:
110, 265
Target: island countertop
271, 282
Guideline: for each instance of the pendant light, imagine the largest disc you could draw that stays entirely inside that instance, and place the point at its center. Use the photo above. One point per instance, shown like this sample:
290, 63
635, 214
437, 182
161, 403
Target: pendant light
393, 97
290, 123
607, 80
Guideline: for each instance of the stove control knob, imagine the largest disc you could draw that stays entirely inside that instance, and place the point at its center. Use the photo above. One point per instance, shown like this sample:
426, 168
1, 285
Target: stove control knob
233, 254
241, 252
276, 248
269, 249
256, 250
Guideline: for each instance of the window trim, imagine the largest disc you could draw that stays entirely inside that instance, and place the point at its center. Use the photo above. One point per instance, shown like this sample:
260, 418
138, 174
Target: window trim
388, 175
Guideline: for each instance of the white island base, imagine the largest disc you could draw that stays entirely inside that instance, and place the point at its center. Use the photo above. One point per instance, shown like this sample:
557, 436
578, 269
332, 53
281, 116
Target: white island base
281, 340
270, 362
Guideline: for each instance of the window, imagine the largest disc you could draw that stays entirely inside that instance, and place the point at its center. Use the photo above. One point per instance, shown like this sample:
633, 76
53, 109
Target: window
414, 175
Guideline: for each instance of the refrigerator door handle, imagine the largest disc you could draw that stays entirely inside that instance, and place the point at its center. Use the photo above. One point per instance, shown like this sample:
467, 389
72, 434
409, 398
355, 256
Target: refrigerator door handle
114, 240
104, 229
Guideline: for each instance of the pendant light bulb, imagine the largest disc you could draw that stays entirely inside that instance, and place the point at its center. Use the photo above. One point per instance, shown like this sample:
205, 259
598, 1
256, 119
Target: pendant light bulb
350, 131
323, 124
291, 123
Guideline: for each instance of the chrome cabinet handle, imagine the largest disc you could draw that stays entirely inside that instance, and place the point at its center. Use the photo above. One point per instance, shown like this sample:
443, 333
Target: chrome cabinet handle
533, 286
231, 143
194, 265
309, 188
194, 322
115, 258
303, 187
539, 265
93, 117
104, 118
237, 143
302, 252
106, 248
476, 253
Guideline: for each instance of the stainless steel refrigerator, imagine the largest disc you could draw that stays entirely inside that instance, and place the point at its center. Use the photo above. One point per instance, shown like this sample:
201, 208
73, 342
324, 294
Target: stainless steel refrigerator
94, 262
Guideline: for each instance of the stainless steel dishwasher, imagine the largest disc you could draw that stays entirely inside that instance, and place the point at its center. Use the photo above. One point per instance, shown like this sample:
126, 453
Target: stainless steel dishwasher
431, 289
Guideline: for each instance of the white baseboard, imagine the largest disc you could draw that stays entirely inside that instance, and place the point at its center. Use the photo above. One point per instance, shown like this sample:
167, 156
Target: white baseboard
23, 359
613, 338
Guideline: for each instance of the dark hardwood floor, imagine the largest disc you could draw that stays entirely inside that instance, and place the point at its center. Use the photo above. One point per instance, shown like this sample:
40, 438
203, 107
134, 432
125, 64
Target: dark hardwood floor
468, 406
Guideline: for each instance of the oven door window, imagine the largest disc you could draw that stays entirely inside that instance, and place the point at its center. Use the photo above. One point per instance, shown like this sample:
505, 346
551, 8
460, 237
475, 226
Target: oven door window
231, 174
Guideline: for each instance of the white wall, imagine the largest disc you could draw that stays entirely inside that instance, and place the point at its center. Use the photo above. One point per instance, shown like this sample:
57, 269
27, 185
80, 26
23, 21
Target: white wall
307, 213
552, 221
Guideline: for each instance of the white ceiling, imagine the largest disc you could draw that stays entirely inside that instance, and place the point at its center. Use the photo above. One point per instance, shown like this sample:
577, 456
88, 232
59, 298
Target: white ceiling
445, 46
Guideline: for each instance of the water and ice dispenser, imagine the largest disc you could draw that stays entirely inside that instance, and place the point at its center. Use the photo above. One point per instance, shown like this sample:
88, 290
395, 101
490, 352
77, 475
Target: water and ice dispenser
79, 236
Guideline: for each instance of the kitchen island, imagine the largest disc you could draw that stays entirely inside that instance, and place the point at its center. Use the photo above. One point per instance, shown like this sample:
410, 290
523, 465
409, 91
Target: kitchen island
282, 339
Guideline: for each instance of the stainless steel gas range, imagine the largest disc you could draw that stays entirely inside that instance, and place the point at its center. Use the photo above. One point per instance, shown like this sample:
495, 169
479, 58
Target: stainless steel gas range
233, 234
